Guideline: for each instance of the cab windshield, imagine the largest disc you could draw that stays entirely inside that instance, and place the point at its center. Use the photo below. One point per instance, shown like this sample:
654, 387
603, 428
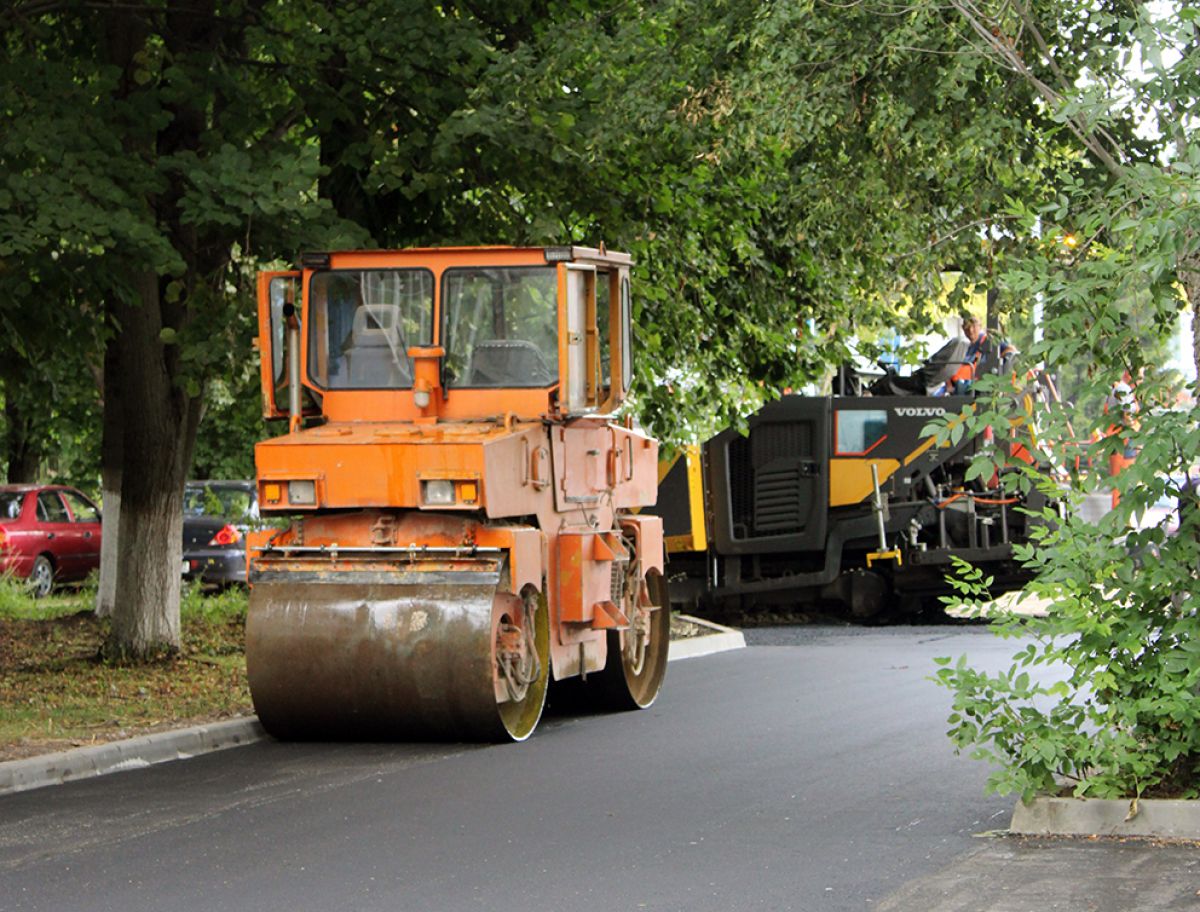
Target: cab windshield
361, 324
501, 327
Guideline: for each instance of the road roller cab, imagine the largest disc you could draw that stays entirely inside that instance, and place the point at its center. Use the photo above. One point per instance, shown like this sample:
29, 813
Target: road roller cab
463, 503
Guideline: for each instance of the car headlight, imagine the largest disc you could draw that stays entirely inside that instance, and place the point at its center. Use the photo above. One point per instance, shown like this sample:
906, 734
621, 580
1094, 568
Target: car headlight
437, 492
302, 493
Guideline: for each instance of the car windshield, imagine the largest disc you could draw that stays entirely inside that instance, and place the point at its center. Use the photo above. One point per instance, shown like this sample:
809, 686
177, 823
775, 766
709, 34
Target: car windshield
361, 324
10, 505
501, 327
228, 501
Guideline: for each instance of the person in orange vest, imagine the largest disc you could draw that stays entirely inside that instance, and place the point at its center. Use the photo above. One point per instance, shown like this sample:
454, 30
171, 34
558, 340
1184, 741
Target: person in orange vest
1121, 407
984, 353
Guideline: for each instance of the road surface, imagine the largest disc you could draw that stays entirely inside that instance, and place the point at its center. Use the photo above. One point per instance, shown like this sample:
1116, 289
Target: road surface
811, 775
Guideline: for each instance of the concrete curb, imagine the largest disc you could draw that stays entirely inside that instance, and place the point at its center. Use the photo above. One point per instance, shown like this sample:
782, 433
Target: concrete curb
1159, 817
721, 639
85, 762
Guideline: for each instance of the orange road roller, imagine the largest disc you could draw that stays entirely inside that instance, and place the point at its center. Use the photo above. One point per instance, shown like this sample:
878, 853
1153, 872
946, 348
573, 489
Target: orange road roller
461, 501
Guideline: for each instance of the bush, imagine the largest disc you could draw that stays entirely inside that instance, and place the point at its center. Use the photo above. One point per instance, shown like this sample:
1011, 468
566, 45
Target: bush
1113, 711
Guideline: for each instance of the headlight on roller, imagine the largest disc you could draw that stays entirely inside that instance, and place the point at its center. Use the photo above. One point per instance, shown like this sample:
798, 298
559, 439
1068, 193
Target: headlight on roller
438, 492
302, 493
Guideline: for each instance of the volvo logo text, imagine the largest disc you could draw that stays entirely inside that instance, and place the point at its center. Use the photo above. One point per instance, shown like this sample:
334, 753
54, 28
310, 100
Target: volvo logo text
912, 411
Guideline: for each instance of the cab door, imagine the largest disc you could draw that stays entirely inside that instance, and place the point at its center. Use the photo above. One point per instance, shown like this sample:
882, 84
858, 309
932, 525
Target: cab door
277, 292
578, 342
595, 363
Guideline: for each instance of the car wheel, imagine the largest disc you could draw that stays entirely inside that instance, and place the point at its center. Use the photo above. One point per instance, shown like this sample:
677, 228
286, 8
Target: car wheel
41, 578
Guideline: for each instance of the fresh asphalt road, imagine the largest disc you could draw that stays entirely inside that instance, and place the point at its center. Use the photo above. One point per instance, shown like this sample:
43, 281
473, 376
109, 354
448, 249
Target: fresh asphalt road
813, 774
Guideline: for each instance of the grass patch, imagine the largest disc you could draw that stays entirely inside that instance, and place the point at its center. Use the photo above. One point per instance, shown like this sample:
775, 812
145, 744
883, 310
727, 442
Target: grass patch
55, 693
17, 605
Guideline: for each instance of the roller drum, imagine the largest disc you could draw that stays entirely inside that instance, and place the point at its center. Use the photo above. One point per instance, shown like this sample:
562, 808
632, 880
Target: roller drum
374, 659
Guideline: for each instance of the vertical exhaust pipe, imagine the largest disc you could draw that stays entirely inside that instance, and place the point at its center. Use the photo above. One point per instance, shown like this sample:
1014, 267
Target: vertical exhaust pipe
293, 365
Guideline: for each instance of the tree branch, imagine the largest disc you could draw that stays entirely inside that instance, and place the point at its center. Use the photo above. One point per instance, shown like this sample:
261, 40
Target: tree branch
1092, 137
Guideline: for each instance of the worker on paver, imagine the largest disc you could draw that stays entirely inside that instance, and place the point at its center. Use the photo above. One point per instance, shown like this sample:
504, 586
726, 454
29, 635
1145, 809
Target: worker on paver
985, 354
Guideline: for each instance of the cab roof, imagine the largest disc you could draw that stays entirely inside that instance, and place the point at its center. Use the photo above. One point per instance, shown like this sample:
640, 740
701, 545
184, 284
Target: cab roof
551, 254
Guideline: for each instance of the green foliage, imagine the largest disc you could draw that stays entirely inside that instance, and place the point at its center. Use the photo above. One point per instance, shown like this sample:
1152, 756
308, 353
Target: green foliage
231, 420
1113, 708
781, 174
214, 622
50, 357
16, 602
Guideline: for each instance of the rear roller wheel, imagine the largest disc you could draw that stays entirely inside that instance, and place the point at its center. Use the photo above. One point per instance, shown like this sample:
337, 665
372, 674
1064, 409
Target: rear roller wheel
637, 657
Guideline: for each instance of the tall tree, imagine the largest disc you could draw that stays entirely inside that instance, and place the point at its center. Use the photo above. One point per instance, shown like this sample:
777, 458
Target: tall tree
146, 139
205, 138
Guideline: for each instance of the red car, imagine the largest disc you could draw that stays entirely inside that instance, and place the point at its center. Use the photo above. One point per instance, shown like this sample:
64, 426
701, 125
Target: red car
48, 534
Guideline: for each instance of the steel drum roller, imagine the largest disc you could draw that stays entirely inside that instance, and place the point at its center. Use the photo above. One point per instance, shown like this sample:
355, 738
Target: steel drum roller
365, 658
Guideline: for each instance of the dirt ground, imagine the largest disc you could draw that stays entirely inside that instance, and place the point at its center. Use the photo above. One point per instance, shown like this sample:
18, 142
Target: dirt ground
56, 693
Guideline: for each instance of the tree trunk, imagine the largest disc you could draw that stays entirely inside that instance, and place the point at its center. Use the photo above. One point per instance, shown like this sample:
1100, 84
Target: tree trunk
24, 456
992, 317
110, 480
110, 525
157, 418
158, 434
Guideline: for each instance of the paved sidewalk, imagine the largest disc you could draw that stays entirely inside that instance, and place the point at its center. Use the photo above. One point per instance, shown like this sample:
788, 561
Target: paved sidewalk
1025, 874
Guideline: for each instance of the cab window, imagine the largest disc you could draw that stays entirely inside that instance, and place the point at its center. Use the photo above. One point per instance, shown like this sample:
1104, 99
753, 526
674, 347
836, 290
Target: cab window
859, 431
282, 292
361, 324
603, 318
501, 327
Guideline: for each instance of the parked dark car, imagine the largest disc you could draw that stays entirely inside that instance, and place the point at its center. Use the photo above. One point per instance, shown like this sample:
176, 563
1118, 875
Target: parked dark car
216, 517
48, 534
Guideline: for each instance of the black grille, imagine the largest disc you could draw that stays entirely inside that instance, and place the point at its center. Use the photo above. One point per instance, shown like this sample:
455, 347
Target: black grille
777, 501
618, 582
766, 483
